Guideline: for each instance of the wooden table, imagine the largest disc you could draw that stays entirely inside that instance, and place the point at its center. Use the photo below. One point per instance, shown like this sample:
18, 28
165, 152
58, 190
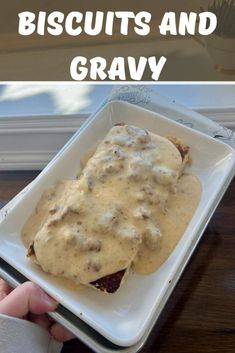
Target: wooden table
200, 315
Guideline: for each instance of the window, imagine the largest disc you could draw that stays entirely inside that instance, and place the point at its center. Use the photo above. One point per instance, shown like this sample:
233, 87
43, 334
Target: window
37, 119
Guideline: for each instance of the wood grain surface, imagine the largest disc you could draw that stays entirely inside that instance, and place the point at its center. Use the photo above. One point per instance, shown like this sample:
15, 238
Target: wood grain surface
200, 314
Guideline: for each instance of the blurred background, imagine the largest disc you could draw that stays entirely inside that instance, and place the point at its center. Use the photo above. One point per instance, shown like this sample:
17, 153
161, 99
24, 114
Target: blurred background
20, 99
37, 119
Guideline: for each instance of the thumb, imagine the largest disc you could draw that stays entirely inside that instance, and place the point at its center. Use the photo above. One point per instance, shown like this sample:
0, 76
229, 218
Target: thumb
26, 298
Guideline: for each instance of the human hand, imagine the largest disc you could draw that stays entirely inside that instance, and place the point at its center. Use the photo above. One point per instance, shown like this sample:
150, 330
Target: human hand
31, 302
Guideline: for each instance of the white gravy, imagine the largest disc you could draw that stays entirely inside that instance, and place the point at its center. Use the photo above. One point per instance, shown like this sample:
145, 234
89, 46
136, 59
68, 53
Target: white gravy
129, 207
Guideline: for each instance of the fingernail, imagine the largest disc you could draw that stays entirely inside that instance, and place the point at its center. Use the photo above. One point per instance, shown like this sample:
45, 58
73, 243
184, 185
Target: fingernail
50, 301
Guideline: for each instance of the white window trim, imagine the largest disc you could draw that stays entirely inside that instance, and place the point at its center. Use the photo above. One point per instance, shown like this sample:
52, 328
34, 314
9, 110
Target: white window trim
223, 116
38, 138
29, 143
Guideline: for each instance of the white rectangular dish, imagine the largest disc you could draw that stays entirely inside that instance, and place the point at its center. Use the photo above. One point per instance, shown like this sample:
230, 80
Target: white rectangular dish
125, 317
